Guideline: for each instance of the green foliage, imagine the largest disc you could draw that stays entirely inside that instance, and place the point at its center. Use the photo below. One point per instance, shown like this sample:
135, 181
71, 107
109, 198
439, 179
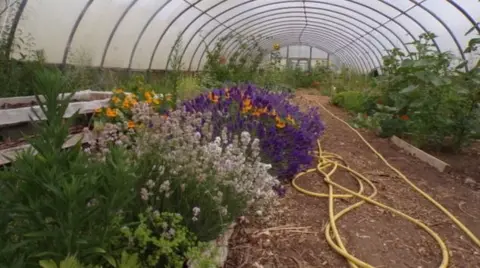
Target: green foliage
185, 192
55, 199
159, 239
353, 101
126, 261
422, 98
240, 67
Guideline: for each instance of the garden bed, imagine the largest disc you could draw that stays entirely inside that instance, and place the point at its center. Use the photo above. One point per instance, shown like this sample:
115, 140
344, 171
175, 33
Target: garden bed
295, 237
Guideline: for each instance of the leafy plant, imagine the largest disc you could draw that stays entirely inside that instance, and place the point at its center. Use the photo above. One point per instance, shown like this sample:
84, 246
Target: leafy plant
56, 198
353, 101
159, 239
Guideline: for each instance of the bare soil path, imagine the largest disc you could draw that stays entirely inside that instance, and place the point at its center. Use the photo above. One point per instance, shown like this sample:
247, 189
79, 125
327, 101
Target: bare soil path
294, 236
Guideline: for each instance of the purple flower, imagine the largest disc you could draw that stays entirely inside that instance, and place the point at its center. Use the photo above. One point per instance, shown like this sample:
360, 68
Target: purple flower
287, 149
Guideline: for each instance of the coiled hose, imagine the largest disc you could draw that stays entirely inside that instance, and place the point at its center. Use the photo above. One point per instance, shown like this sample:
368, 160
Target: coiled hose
328, 163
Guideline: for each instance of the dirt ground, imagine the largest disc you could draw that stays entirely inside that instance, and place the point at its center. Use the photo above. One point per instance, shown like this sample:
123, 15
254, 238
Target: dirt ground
294, 237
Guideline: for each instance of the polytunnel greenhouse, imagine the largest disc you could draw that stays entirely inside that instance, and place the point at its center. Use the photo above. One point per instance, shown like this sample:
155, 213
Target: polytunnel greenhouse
214, 133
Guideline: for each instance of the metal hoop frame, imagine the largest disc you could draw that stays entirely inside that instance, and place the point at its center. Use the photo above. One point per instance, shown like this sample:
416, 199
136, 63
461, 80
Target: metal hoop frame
306, 19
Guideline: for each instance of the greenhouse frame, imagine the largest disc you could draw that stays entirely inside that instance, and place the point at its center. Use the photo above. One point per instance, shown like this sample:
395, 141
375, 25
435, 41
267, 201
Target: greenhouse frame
139, 34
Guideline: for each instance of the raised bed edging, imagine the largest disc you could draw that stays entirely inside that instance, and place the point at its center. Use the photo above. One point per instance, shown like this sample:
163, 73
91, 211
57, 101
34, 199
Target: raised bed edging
425, 157
25, 114
12, 153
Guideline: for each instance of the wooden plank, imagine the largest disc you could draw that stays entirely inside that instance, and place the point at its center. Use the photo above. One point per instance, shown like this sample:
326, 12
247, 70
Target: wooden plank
425, 157
12, 153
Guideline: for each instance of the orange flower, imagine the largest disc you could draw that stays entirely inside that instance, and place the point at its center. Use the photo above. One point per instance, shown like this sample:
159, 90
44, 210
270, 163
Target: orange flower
256, 112
404, 117
98, 110
126, 104
118, 90
280, 122
131, 124
214, 98
115, 99
147, 95
111, 112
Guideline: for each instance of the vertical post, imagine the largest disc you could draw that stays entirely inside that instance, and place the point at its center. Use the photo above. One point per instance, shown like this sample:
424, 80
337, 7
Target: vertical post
328, 60
288, 56
310, 59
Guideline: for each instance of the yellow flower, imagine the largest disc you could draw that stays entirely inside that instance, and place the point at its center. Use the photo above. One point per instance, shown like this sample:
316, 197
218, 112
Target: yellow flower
168, 97
156, 101
98, 110
131, 124
111, 112
276, 46
118, 90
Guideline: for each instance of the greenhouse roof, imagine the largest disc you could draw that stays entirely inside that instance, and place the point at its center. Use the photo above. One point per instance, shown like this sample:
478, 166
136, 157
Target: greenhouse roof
140, 34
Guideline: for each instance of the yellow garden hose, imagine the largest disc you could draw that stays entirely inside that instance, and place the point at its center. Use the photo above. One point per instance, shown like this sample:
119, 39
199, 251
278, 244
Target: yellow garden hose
328, 163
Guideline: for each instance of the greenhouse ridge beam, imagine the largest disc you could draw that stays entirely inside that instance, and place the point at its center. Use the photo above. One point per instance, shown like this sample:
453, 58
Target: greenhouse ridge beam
286, 34
274, 26
286, 8
322, 20
314, 39
318, 36
358, 19
323, 9
314, 25
317, 8
290, 41
389, 20
306, 22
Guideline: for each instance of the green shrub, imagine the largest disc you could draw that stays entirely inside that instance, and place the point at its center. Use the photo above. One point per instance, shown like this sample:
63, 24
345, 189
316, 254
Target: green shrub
353, 101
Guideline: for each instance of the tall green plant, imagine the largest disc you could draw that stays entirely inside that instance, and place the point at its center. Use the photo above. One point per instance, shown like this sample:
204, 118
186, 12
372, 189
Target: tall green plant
59, 202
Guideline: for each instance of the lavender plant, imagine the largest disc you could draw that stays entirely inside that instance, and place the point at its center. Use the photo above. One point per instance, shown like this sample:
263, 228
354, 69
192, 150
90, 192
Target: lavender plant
184, 168
206, 179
